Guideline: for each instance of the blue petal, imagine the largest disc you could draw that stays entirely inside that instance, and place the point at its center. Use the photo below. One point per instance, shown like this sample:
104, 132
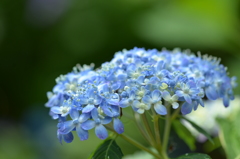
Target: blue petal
90, 93
115, 111
56, 110
106, 120
154, 80
140, 111
67, 127
74, 114
160, 109
175, 105
160, 65
83, 100
88, 108
105, 88
225, 101
179, 93
94, 114
134, 108
124, 103
166, 95
83, 117
191, 84
101, 132
136, 103
106, 111
211, 93
83, 134
114, 100
195, 105
89, 124
122, 77
116, 85
147, 99
200, 101
156, 95
194, 91
187, 98
186, 108
131, 67
54, 116
118, 125
140, 79
132, 95
53, 101
97, 100
68, 138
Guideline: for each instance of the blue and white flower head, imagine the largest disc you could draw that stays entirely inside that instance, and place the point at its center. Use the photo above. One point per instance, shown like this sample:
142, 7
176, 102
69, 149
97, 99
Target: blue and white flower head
137, 78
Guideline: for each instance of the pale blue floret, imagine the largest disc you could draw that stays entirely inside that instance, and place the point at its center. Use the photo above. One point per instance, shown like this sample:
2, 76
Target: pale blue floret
171, 99
155, 99
90, 100
97, 122
187, 91
114, 112
54, 99
68, 138
125, 102
141, 107
75, 123
62, 110
186, 108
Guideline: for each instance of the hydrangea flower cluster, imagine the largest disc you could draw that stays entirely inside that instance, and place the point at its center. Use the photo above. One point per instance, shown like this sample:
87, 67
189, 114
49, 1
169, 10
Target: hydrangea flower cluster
142, 79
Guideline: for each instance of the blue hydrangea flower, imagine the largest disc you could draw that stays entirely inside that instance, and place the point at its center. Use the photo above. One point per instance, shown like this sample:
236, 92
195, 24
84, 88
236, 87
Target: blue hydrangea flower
76, 123
140, 79
155, 99
97, 122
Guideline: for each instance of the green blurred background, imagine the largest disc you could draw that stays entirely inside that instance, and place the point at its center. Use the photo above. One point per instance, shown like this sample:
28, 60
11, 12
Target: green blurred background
41, 39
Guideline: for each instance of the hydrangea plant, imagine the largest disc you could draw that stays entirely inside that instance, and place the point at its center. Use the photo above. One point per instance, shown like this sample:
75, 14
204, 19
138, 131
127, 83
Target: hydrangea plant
160, 83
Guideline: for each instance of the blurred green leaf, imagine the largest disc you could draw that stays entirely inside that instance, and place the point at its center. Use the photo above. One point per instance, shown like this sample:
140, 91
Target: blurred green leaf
184, 134
107, 150
194, 156
199, 23
230, 135
199, 129
209, 147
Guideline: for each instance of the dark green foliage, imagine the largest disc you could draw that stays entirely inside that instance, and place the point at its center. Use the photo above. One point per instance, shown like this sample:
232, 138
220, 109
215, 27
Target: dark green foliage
184, 134
107, 150
194, 156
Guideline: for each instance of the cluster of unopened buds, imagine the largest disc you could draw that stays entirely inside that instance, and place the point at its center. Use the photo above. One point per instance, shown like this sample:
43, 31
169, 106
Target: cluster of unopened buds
142, 79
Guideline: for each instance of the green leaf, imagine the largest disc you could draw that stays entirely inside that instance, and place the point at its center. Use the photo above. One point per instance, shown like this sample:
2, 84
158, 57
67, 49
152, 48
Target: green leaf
194, 156
184, 134
107, 150
169, 24
230, 135
199, 129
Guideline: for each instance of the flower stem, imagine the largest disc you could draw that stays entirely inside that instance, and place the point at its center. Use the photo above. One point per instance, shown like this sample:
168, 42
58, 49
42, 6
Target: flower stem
157, 132
145, 122
166, 132
141, 129
135, 143
155, 119
175, 114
